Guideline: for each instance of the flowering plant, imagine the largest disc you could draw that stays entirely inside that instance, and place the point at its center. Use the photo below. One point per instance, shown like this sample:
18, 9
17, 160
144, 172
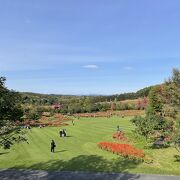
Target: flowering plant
124, 150
120, 136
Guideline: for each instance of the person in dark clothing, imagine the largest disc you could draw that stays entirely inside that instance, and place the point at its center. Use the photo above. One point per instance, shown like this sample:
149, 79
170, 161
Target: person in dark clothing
73, 122
118, 128
64, 132
53, 145
60, 133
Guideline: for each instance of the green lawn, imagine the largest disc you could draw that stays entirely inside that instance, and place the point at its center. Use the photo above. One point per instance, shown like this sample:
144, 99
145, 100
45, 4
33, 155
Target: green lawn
79, 151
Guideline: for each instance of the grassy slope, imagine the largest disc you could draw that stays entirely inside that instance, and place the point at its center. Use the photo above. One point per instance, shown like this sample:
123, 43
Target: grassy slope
80, 151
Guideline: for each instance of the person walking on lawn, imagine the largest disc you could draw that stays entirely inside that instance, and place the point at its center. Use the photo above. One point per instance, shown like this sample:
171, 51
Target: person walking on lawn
53, 145
73, 122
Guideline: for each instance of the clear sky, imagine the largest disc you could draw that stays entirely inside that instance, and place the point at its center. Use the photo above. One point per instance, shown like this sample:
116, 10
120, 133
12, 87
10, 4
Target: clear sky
88, 46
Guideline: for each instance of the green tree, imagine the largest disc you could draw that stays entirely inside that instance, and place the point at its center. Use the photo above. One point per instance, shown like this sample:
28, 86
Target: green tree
163, 110
10, 111
176, 138
173, 97
155, 100
152, 125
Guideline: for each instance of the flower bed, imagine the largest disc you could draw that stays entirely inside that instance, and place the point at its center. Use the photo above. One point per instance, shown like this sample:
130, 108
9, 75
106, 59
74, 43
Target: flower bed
110, 113
129, 113
96, 114
124, 150
120, 136
56, 120
62, 117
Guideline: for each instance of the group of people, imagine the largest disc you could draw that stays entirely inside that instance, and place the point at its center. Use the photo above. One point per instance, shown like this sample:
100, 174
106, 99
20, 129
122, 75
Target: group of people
26, 127
41, 126
62, 133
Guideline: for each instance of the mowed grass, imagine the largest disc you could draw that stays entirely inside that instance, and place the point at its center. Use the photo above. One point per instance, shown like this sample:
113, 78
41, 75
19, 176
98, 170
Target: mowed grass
79, 151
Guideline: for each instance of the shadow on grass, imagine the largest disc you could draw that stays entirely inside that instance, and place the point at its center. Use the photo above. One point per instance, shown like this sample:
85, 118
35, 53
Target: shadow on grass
85, 163
83, 167
60, 151
4, 153
152, 146
65, 136
68, 136
177, 157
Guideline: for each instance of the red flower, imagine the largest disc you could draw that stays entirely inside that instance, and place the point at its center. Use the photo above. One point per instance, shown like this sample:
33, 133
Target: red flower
125, 150
120, 136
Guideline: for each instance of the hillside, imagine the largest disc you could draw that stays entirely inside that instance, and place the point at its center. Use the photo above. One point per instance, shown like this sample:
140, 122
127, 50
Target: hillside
49, 99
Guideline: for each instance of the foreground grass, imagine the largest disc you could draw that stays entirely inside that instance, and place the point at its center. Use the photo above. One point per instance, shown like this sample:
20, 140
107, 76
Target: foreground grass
79, 151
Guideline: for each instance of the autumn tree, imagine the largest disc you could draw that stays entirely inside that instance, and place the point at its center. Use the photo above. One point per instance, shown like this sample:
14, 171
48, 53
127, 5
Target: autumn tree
162, 113
173, 98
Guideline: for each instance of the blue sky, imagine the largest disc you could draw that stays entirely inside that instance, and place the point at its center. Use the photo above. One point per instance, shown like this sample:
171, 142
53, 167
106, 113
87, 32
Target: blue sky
88, 46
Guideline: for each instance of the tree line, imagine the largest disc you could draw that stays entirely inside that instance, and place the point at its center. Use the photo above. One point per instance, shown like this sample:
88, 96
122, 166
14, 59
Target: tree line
50, 99
34, 104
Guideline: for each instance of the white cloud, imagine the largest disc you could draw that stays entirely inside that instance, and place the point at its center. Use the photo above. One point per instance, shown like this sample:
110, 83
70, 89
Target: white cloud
128, 68
90, 66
